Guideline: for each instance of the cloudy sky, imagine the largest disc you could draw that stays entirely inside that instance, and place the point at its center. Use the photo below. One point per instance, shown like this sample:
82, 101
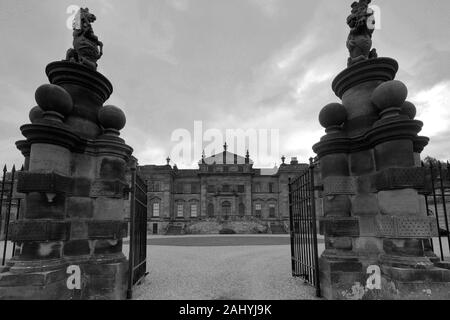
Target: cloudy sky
232, 64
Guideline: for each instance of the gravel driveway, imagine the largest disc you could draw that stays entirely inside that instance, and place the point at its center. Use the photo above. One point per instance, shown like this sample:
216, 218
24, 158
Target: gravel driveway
215, 273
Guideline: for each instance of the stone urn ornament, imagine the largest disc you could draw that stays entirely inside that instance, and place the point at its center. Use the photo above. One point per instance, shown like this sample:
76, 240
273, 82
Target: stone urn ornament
87, 48
362, 25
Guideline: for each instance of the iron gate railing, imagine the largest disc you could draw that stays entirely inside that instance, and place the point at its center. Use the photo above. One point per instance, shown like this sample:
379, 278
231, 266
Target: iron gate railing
438, 203
9, 211
138, 232
302, 212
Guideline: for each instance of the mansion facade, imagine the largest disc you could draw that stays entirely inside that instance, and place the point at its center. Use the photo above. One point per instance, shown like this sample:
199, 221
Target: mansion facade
224, 187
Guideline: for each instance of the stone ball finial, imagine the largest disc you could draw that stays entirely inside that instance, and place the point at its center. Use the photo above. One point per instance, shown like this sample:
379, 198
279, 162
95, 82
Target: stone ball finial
409, 109
390, 94
112, 117
54, 99
35, 114
333, 115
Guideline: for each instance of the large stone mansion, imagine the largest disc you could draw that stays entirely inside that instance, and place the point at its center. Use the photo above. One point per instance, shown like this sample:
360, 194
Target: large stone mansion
224, 187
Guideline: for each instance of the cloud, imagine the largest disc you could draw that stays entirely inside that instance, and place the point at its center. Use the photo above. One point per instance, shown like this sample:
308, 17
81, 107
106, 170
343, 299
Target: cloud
233, 64
180, 5
433, 108
286, 92
106, 7
145, 29
439, 147
149, 153
292, 56
269, 8
311, 78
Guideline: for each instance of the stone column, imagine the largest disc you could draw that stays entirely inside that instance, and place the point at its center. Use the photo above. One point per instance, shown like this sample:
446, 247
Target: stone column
39, 269
75, 188
248, 199
375, 222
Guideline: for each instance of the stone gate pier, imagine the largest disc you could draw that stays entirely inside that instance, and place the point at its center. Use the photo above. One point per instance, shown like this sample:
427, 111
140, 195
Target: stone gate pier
375, 223
70, 231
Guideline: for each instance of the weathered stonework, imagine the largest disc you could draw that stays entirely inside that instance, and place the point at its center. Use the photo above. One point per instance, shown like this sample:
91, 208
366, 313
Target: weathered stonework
374, 211
75, 192
339, 186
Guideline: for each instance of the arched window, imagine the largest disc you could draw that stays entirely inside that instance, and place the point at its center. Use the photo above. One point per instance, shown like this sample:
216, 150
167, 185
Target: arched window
194, 210
156, 209
210, 210
226, 209
258, 210
180, 210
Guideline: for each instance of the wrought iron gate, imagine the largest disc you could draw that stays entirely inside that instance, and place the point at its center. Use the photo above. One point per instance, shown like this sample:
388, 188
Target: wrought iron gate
138, 231
438, 203
302, 212
9, 211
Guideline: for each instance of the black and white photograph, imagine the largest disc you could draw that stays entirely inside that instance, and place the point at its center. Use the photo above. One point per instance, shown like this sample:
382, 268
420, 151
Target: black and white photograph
224, 156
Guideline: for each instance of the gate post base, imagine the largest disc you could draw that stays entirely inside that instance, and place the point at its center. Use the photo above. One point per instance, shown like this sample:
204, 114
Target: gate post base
105, 281
43, 285
415, 284
337, 275
102, 278
346, 279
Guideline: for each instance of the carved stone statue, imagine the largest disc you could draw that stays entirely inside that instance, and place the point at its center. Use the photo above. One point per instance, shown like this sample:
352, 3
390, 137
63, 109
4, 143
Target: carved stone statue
87, 49
362, 25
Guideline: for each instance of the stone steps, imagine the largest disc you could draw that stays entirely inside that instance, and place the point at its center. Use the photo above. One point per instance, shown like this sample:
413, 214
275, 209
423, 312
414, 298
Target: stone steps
174, 230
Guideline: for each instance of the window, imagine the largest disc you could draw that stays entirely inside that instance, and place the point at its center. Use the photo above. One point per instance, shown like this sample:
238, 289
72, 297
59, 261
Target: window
225, 169
156, 209
271, 187
195, 188
258, 209
226, 209
179, 188
180, 209
241, 209
241, 188
153, 186
257, 187
241, 169
272, 210
211, 188
193, 210
210, 210
226, 188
